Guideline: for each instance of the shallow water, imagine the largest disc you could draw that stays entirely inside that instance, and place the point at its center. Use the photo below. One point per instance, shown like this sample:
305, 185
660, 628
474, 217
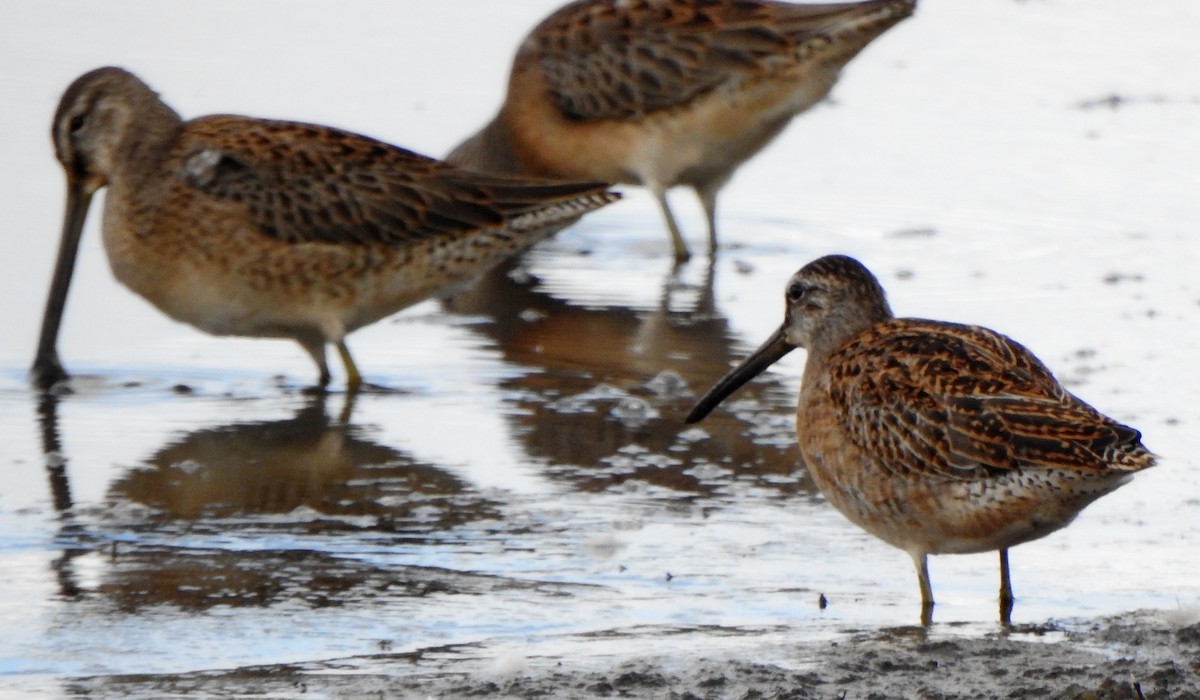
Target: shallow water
528, 494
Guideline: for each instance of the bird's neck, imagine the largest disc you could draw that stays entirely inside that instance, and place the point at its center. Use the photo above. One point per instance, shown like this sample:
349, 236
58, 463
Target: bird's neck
488, 151
152, 131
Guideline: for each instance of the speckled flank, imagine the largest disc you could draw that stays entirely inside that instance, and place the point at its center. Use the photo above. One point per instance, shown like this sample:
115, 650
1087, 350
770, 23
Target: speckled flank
935, 437
250, 227
663, 93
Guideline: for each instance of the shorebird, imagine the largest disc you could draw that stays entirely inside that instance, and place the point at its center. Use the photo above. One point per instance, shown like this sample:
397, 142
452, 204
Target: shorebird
663, 93
250, 227
936, 437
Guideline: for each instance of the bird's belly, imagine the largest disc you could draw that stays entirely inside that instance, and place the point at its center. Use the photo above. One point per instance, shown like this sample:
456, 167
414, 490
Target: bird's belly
207, 269
703, 140
240, 283
942, 515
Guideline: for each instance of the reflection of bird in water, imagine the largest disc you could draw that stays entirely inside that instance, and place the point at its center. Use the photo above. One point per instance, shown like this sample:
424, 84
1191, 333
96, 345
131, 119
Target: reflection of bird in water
610, 382
664, 93
266, 467
271, 229
71, 533
937, 438
308, 475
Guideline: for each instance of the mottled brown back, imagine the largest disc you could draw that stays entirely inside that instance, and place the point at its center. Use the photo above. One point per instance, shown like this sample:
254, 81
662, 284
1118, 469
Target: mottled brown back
309, 183
942, 399
620, 59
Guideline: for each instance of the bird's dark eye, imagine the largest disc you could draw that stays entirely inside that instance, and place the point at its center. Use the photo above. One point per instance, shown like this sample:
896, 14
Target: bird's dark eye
795, 292
77, 122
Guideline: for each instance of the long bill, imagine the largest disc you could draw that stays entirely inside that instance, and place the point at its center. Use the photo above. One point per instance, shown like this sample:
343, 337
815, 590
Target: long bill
766, 355
47, 369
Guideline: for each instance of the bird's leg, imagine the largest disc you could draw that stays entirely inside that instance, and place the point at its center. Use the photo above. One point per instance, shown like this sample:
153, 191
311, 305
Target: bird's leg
353, 378
707, 192
921, 562
1006, 596
315, 347
681, 249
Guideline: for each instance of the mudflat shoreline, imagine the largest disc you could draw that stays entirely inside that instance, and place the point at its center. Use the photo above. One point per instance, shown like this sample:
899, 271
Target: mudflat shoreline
1147, 654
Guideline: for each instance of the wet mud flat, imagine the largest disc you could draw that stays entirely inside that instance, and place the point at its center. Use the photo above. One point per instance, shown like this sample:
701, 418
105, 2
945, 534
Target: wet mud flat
255, 540
1145, 654
184, 525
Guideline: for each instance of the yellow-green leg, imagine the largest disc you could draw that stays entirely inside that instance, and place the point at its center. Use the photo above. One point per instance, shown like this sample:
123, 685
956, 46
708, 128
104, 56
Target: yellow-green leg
677, 243
353, 378
921, 562
707, 193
